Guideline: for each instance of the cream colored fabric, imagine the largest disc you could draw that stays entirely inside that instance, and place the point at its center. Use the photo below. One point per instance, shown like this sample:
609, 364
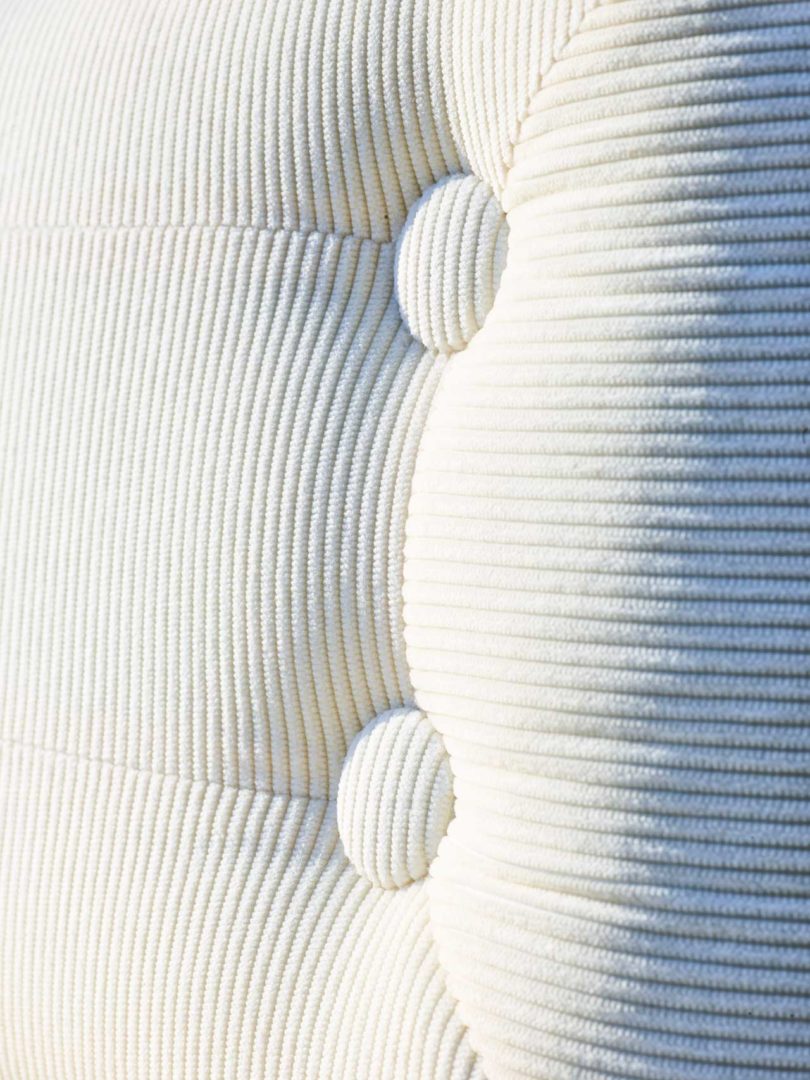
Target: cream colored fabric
607, 567
395, 798
216, 433
450, 256
209, 411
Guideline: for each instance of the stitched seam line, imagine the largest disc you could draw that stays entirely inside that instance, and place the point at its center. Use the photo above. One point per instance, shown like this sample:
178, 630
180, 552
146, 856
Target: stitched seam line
90, 759
170, 226
509, 163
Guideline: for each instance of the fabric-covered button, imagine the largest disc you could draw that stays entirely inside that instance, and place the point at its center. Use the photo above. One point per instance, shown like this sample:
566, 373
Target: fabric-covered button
450, 257
395, 798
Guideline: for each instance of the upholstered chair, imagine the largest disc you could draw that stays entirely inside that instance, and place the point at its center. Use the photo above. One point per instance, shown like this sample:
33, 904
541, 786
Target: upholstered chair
404, 539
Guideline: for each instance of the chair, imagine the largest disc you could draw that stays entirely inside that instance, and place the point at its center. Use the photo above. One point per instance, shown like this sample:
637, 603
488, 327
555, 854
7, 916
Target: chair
404, 539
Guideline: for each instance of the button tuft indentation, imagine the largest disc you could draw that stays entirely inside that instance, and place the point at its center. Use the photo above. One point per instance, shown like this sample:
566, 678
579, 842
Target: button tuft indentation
395, 798
450, 257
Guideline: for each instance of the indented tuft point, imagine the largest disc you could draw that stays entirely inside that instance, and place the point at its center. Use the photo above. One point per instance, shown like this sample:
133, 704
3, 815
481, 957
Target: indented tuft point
450, 257
395, 798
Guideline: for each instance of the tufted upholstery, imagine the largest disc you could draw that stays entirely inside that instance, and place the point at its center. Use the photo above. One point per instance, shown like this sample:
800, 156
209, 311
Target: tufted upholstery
398, 397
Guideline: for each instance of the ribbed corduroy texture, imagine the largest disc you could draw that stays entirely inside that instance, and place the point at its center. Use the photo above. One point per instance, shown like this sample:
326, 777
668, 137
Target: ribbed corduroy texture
205, 489
450, 256
210, 410
185, 929
395, 798
607, 567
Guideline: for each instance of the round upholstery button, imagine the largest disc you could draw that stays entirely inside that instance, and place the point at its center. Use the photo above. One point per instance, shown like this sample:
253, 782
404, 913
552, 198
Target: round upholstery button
395, 798
450, 256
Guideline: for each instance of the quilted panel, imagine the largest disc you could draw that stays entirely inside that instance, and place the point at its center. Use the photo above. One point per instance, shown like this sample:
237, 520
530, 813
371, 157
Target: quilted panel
216, 429
607, 560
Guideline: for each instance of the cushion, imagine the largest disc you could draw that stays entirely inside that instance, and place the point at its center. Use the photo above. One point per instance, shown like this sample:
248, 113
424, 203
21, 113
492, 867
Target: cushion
404, 539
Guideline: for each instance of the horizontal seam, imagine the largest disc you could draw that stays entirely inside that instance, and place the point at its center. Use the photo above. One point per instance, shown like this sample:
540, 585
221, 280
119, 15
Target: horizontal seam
157, 774
169, 226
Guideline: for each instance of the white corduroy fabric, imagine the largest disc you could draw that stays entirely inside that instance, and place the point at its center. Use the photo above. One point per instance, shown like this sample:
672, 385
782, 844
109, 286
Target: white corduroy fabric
607, 562
222, 453
395, 798
450, 256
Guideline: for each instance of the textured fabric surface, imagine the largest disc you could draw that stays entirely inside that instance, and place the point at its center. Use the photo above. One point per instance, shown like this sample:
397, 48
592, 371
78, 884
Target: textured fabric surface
184, 928
607, 567
450, 256
395, 798
222, 452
